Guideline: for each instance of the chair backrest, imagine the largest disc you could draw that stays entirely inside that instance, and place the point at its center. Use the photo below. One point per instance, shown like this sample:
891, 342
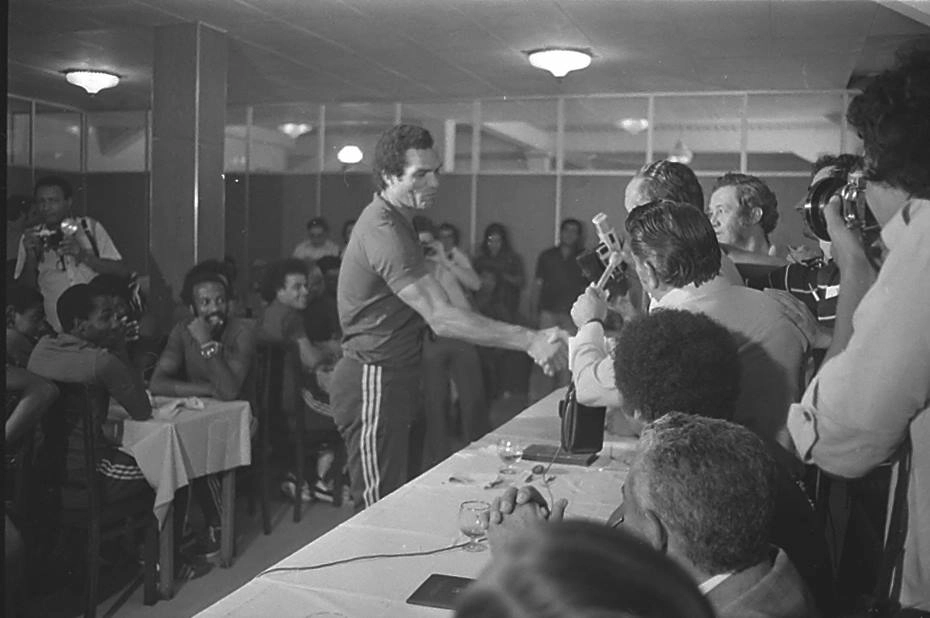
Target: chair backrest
272, 360
77, 429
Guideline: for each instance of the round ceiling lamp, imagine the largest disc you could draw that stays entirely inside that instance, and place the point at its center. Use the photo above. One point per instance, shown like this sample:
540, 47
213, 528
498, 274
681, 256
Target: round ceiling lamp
295, 129
349, 155
90, 80
633, 126
680, 154
560, 61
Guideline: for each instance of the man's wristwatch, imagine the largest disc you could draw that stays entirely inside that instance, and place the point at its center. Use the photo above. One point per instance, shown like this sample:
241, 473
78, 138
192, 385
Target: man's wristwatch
210, 349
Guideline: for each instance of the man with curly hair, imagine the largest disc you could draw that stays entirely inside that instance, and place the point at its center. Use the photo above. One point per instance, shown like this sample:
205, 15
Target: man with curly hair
744, 212
702, 491
873, 396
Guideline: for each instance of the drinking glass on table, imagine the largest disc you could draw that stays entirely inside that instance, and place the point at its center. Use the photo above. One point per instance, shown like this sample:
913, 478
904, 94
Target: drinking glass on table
510, 452
470, 523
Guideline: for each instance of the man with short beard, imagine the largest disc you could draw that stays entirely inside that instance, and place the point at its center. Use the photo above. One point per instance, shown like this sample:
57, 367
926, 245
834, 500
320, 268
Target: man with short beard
208, 356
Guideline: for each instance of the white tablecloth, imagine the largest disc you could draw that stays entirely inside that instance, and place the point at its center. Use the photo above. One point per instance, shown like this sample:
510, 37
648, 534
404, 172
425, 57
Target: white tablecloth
419, 516
193, 443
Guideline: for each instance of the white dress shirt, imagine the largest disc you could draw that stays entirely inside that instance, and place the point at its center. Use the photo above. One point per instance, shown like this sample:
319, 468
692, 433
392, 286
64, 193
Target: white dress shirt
864, 402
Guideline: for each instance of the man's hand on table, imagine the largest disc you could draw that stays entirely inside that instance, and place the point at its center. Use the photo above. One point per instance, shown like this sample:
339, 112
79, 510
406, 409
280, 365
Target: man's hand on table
549, 350
516, 510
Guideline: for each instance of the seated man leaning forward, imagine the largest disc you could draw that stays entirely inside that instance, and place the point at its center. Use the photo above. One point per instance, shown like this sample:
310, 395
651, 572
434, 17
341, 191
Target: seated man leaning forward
701, 491
207, 356
80, 355
677, 259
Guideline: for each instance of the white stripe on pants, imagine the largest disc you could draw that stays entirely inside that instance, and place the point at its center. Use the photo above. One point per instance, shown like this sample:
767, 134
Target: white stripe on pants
368, 441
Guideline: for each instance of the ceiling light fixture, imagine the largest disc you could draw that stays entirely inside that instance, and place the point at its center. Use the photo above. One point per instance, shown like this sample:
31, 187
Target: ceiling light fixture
559, 61
680, 153
633, 126
295, 129
90, 80
349, 155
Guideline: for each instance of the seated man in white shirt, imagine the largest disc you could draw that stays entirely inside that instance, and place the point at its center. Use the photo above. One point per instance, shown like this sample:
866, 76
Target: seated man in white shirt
52, 259
677, 259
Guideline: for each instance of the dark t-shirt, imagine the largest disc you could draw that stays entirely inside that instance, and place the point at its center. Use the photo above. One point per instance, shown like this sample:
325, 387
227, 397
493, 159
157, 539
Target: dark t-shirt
383, 257
321, 319
238, 341
562, 280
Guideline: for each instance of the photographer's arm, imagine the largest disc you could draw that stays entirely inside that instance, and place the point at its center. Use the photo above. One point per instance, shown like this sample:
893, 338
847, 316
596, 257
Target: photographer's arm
27, 260
856, 276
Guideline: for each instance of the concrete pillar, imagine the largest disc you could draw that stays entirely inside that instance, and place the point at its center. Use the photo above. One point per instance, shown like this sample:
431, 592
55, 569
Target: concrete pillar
187, 218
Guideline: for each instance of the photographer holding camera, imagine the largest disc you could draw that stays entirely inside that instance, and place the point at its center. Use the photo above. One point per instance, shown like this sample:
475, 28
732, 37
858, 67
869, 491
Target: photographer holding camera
873, 397
63, 251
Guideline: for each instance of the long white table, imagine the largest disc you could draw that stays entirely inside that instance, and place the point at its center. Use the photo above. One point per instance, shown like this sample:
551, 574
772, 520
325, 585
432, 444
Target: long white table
421, 516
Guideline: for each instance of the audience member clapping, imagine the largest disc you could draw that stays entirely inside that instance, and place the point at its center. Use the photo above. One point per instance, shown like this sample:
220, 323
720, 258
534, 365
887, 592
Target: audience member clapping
582, 570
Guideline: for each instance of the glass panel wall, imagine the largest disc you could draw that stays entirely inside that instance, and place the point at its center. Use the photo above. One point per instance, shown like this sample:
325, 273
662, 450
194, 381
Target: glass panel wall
450, 124
606, 133
355, 124
787, 132
518, 136
117, 141
57, 139
19, 165
703, 130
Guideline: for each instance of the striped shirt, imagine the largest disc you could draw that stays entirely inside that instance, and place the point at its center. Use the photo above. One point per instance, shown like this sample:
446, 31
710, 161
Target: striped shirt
816, 284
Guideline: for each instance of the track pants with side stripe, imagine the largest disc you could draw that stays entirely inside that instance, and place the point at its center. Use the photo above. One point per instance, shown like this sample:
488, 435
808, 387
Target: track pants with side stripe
374, 407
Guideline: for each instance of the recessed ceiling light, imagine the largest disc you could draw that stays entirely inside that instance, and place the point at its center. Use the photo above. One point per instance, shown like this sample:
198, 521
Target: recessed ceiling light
633, 126
560, 61
349, 155
295, 129
90, 80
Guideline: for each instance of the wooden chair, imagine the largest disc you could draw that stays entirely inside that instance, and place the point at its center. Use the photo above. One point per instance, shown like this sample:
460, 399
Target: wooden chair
271, 360
81, 409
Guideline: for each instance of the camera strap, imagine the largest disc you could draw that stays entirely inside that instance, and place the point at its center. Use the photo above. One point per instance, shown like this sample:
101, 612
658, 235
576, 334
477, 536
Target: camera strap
87, 232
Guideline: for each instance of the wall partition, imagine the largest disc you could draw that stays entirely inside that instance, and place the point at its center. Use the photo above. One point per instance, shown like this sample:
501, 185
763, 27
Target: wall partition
527, 163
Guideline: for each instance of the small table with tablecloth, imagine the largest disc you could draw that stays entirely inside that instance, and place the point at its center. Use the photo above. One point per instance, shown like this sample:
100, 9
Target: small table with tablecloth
188, 439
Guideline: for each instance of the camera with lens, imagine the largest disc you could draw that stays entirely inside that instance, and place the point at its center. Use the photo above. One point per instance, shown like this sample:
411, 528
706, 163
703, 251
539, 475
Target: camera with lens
52, 236
851, 190
602, 265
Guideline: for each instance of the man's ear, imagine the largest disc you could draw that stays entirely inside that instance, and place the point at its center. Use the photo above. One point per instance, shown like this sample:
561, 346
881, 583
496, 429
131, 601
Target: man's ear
655, 531
755, 215
652, 278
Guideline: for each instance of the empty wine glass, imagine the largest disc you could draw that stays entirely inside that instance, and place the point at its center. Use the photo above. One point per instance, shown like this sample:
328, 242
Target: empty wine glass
510, 452
470, 523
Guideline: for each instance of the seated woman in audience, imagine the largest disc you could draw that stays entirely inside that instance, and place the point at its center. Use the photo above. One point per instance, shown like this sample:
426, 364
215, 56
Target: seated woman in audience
25, 323
579, 568
495, 253
286, 290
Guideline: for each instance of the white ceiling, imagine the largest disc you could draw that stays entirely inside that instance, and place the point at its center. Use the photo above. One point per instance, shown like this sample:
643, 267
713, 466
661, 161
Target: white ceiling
431, 50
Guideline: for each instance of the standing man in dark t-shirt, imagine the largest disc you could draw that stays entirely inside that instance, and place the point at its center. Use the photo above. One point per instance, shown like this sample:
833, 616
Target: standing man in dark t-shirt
386, 299
558, 283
